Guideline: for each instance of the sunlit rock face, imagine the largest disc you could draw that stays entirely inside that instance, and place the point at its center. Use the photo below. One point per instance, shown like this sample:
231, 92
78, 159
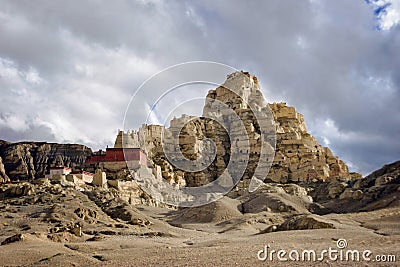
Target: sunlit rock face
280, 133
299, 156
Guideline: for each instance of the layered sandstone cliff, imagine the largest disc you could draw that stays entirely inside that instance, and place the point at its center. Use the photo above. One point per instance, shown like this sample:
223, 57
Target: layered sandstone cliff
298, 156
30, 160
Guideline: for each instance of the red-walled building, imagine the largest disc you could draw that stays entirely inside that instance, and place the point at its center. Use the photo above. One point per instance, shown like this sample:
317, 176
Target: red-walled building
119, 154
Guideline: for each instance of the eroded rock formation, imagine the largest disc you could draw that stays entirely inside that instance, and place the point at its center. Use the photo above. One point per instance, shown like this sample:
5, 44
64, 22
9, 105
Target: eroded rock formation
30, 160
298, 158
378, 190
3, 176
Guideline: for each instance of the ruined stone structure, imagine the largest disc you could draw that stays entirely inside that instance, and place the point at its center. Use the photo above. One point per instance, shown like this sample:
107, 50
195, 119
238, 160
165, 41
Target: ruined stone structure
298, 158
119, 154
115, 161
58, 171
100, 179
148, 138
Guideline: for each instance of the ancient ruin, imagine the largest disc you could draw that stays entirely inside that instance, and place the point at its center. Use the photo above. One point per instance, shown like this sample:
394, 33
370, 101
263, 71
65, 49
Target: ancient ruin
298, 156
128, 202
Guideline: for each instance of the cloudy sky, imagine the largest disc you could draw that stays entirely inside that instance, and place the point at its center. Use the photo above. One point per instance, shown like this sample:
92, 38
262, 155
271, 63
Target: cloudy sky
69, 68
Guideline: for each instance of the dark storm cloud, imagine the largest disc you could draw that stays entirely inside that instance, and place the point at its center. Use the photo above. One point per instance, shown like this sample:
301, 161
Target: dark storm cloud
68, 69
327, 59
33, 132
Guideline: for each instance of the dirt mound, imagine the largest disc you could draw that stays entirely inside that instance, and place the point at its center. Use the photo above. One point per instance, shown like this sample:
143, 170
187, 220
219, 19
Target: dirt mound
217, 211
117, 208
287, 198
250, 223
64, 214
305, 222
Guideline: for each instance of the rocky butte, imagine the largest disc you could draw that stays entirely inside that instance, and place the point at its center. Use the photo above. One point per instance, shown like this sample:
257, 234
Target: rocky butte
293, 155
110, 220
298, 158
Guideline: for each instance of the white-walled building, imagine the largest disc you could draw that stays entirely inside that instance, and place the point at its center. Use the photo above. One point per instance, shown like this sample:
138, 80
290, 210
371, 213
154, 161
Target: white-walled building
61, 173
58, 171
87, 177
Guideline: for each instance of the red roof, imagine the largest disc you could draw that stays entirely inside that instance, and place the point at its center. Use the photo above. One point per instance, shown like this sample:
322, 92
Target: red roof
119, 154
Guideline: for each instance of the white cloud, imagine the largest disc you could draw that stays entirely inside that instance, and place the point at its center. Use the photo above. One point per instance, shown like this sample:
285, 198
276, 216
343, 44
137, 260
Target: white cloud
387, 12
33, 77
68, 69
13, 121
301, 42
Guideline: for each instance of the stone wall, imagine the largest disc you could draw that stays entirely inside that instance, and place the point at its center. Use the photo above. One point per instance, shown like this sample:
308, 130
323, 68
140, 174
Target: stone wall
299, 157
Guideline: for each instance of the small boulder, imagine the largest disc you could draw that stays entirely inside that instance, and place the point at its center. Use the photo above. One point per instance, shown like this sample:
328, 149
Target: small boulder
347, 193
21, 189
358, 194
305, 222
114, 184
269, 229
336, 189
41, 182
383, 180
12, 239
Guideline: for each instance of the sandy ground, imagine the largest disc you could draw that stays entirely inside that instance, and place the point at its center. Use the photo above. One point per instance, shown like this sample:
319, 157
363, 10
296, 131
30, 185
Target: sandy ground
235, 242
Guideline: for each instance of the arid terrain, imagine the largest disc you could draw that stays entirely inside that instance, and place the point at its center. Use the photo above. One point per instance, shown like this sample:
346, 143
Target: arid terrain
57, 225
65, 205
200, 133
